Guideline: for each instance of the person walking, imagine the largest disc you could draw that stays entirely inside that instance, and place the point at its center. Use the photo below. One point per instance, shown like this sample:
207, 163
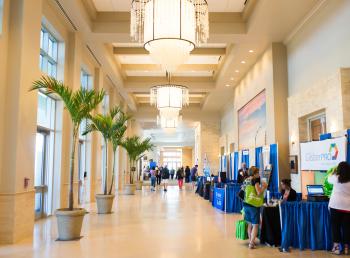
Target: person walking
165, 177
253, 200
153, 178
194, 176
180, 177
158, 175
339, 205
187, 174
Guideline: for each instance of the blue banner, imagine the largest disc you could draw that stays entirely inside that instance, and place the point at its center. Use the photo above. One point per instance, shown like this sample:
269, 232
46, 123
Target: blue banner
258, 152
219, 198
245, 157
274, 162
235, 163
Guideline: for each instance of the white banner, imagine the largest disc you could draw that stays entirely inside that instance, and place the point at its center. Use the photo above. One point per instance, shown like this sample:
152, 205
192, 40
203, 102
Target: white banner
322, 155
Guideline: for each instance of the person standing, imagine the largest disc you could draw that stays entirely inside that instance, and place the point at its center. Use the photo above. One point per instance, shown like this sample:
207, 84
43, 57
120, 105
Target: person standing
180, 177
187, 174
194, 175
339, 205
153, 178
242, 173
172, 173
165, 177
253, 200
158, 175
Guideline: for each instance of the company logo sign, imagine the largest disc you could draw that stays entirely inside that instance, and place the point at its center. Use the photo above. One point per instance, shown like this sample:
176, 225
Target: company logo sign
331, 154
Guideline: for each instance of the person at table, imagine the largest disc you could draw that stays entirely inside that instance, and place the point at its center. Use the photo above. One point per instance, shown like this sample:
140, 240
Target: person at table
339, 205
252, 210
288, 194
242, 173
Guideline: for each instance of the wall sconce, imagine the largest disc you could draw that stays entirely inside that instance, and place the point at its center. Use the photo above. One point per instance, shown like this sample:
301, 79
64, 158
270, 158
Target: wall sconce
26, 182
292, 139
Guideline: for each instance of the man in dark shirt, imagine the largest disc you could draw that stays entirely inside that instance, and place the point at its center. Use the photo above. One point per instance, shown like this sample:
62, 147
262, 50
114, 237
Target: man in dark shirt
242, 173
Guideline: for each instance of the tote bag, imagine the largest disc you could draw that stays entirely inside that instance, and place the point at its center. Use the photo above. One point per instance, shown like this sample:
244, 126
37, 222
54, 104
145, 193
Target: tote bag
252, 198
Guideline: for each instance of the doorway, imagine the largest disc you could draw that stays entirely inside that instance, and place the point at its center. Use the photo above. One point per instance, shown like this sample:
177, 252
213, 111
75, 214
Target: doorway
40, 177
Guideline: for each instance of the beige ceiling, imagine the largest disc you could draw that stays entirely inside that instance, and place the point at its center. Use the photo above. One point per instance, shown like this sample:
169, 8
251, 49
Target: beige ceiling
212, 71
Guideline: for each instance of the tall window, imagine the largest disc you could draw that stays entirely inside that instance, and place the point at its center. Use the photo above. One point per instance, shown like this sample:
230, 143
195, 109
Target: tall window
1, 14
172, 159
48, 53
44, 155
317, 126
84, 150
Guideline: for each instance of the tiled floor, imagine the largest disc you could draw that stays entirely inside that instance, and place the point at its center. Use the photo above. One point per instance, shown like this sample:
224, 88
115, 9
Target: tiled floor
150, 224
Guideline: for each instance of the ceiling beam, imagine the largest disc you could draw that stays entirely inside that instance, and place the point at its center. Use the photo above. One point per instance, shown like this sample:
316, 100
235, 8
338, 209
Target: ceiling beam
142, 51
181, 68
118, 23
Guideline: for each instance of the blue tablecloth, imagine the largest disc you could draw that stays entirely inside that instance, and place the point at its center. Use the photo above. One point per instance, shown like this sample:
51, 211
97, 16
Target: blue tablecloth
233, 203
219, 198
306, 225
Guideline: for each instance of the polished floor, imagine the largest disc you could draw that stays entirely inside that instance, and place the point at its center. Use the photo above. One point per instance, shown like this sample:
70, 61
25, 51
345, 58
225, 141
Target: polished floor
176, 224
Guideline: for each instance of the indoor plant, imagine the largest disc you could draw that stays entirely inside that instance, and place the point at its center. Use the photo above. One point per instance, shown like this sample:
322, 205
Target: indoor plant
79, 105
135, 147
112, 126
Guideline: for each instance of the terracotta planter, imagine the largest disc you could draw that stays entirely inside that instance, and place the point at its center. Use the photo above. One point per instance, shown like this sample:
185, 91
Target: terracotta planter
69, 223
104, 203
139, 185
129, 189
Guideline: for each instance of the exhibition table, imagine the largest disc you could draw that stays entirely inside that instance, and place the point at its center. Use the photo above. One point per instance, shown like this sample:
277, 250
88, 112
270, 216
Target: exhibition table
270, 227
233, 202
306, 225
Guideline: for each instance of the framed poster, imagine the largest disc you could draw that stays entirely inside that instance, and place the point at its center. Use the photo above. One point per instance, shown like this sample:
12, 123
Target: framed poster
252, 122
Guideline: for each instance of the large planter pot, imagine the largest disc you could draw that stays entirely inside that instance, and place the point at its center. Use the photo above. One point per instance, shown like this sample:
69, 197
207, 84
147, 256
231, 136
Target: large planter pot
129, 189
139, 185
104, 203
69, 223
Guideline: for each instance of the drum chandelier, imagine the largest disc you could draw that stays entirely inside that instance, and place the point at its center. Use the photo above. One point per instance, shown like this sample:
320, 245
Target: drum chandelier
169, 29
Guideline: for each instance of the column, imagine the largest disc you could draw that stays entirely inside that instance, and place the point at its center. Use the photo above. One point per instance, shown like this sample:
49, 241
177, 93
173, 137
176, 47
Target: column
19, 121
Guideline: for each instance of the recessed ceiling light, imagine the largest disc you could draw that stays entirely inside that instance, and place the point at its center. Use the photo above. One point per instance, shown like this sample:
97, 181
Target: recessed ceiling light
251, 51
243, 62
227, 85
237, 71
232, 79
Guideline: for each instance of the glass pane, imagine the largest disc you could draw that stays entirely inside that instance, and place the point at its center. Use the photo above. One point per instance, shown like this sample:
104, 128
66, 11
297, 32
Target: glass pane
39, 159
38, 202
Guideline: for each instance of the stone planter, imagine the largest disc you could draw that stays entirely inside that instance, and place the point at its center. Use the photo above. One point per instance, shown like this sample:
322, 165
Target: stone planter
69, 223
104, 203
129, 189
139, 185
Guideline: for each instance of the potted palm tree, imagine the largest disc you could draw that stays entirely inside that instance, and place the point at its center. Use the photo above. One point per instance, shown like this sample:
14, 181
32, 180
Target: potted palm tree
79, 105
135, 147
112, 126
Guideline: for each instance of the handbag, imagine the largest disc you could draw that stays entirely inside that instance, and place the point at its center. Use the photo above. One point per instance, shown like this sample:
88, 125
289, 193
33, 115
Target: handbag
241, 194
252, 198
241, 230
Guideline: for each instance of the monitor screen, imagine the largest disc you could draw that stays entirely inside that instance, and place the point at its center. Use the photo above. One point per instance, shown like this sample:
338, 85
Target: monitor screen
314, 189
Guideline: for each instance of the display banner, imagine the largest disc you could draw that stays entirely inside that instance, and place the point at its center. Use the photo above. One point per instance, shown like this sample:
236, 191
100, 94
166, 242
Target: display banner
219, 198
323, 155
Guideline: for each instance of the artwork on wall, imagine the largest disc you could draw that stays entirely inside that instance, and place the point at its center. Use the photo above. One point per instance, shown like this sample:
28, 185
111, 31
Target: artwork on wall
252, 122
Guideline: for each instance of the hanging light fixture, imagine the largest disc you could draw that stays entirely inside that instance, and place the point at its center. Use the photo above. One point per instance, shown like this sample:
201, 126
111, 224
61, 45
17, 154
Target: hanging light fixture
169, 29
169, 99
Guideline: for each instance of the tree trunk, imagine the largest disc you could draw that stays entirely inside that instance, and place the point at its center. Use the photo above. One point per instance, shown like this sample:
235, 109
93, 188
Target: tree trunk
105, 169
71, 182
113, 173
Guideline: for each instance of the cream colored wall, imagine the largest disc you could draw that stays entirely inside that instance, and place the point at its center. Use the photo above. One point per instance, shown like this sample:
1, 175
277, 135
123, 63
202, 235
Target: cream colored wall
269, 74
316, 55
187, 157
